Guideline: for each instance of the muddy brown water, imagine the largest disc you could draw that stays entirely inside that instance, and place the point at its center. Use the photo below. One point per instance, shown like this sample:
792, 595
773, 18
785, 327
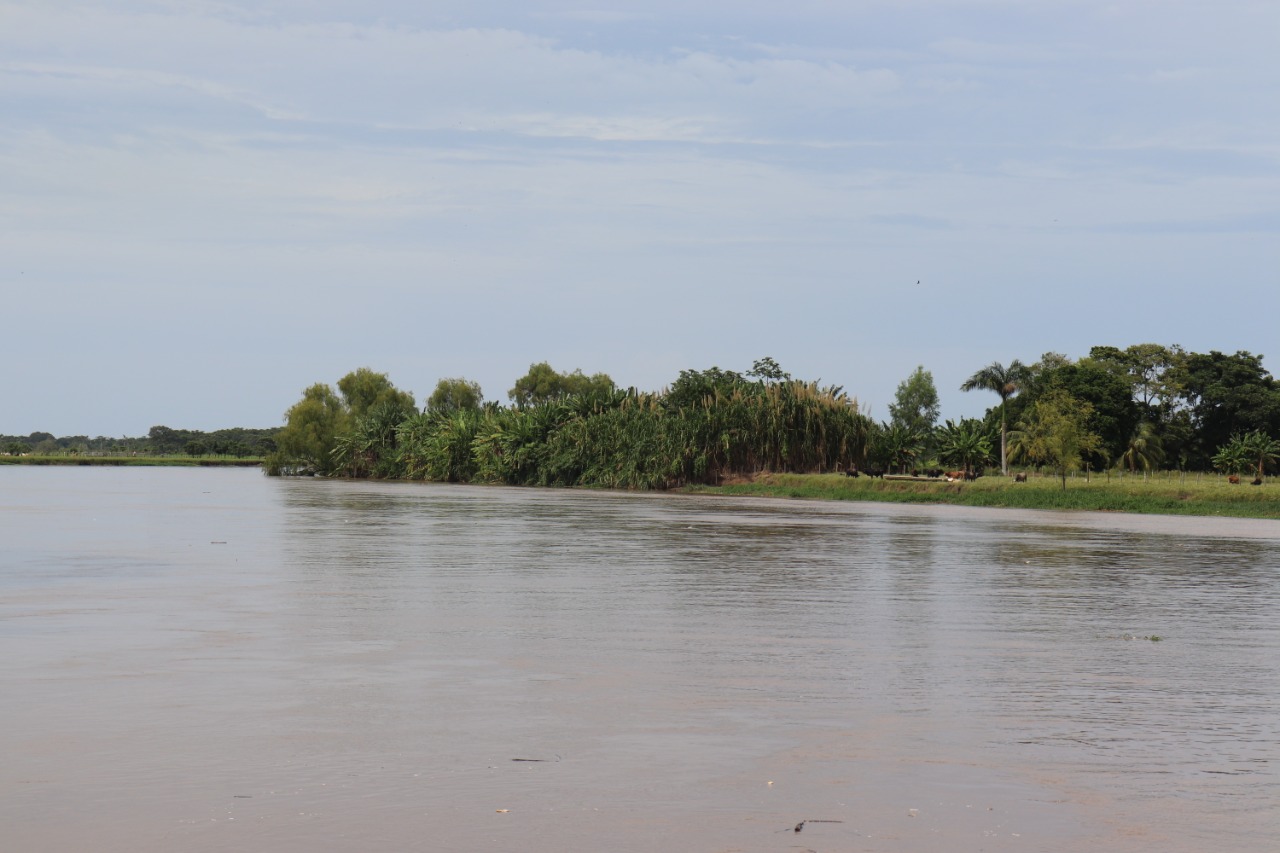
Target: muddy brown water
211, 660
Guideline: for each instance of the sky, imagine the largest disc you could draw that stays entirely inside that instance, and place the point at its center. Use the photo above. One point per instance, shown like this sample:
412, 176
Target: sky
207, 207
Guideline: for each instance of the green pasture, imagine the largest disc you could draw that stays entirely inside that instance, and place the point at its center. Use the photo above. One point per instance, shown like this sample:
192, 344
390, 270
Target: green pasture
1166, 493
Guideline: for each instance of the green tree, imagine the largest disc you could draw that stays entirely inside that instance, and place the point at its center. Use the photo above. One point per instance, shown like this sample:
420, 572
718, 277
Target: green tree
767, 370
1144, 449
1228, 394
915, 404
455, 395
1005, 381
542, 384
692, 387
310, 434
1115, 414
163, 440
1232, 457
367, 446
967, 444
1262, 450
1151, 371
362, 389
1056, 433
897, 446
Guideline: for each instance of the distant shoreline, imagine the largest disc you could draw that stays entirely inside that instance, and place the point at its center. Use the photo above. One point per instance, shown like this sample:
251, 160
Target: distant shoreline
1163, 493
137, 461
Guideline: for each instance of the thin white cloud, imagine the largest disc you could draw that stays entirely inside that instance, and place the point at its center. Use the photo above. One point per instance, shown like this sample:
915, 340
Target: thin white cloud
601, 16
143, 79
385, 75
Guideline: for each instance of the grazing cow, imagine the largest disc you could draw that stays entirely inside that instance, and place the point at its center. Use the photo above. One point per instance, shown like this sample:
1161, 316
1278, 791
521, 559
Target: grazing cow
933, 472
974, 474
875, 472
1020, 478
851, 471
1257, 481
954, 475
1234, 480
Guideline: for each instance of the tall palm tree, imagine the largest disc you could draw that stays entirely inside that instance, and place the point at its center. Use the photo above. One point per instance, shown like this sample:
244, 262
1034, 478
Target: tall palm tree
1005, 381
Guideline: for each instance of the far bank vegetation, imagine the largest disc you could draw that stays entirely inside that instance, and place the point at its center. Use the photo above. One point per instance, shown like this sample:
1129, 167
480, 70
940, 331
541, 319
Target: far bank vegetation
1133, 412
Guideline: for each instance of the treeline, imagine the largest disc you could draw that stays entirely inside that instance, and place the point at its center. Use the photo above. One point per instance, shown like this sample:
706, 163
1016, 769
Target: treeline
160, 441
574, 430
1146, 407
1157, 406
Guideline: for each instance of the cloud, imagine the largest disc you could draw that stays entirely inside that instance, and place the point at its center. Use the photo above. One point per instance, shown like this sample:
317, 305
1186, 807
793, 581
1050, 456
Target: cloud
382, 75
344, 183
142, 80
910, 220
601, 16
1260, 222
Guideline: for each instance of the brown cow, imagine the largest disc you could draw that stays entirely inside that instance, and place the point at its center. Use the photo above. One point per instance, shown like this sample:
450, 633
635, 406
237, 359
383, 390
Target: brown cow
1234, 480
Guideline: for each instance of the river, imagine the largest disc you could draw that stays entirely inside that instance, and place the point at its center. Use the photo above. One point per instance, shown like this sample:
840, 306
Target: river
211, 660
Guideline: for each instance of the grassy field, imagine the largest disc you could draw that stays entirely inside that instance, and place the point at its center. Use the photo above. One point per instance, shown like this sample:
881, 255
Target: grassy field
166, 461
1166, 493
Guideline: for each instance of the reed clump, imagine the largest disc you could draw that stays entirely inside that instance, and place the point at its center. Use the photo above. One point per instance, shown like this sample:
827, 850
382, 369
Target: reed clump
617, 440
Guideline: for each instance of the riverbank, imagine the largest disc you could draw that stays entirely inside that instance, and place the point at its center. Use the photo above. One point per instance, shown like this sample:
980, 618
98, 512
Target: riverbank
149, 461
1168, 493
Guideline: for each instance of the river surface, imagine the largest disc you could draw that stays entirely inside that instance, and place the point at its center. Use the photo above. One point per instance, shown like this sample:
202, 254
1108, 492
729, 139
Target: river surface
213, 660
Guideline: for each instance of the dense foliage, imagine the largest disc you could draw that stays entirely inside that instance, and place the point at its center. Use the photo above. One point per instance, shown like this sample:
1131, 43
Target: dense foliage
1144, 408
1157, 407
711, 425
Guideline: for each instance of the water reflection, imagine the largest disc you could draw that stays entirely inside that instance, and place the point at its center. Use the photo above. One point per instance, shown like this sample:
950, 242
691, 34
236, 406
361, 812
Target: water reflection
1026, 631
367, 658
